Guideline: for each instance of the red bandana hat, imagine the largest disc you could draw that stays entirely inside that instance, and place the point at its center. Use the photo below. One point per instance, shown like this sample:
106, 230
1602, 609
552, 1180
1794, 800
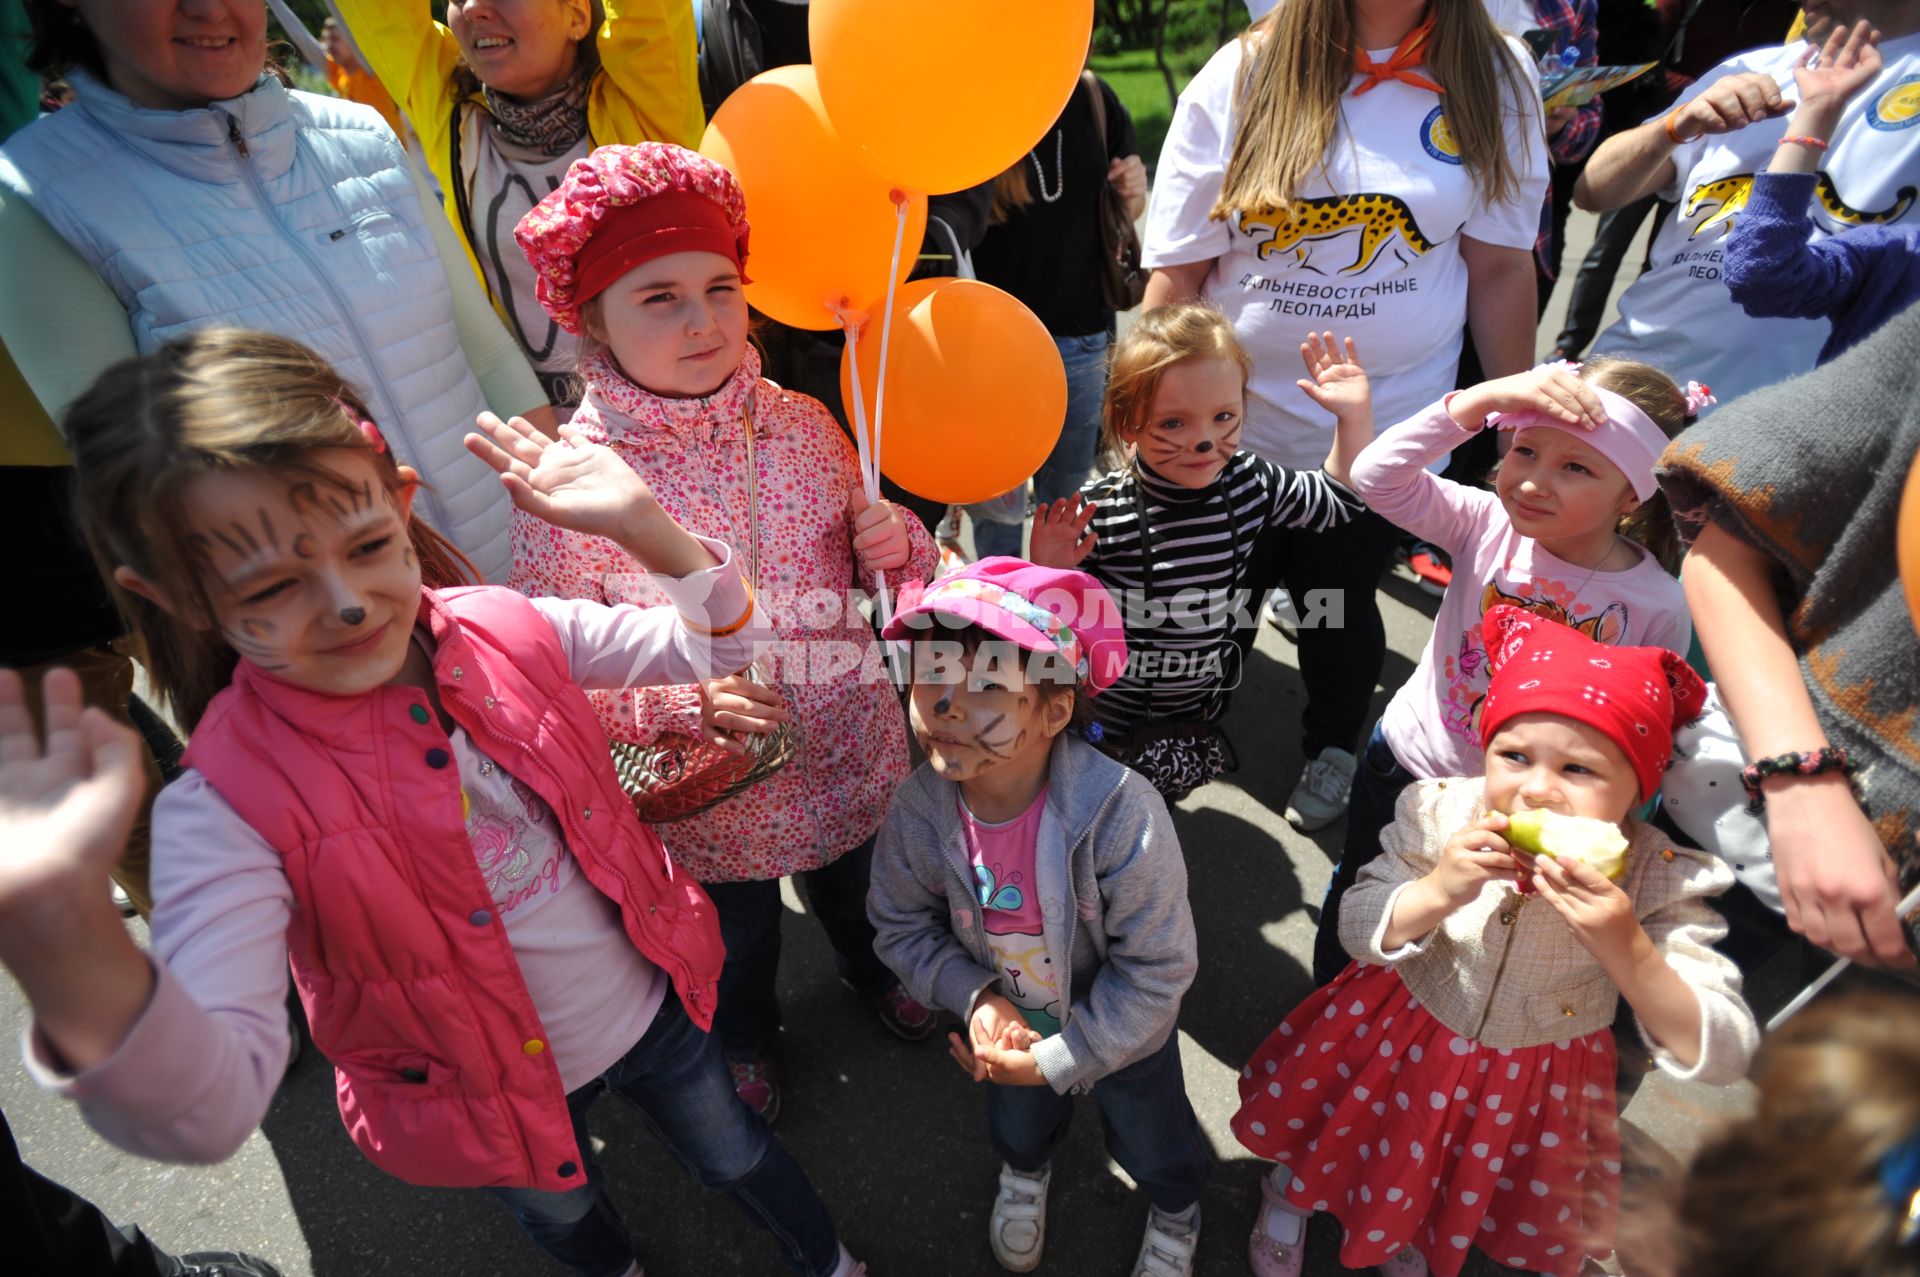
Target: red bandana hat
623, 206
1637, 696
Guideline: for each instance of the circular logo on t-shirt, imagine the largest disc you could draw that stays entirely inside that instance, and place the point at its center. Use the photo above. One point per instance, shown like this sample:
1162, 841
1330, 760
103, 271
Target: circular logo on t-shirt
1437, 138
1898, 107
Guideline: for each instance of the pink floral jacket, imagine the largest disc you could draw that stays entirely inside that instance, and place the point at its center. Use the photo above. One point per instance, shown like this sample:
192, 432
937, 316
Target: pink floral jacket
825, 664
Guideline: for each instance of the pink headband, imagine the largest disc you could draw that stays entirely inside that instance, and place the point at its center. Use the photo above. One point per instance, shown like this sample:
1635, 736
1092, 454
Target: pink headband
1629, 439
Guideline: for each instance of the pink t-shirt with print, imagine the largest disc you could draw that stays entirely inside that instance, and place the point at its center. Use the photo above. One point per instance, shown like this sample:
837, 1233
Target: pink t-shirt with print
1001, 856
1432, 721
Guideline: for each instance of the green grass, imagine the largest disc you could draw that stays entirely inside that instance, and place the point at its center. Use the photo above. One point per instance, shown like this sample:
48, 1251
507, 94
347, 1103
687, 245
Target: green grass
1143, 92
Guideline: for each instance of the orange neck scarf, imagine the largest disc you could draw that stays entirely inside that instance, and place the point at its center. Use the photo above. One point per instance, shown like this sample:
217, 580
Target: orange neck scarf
1398, 67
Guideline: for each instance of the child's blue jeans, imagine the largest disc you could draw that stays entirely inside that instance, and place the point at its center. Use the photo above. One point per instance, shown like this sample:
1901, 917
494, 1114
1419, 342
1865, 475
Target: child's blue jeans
677, 1079
1150, 1127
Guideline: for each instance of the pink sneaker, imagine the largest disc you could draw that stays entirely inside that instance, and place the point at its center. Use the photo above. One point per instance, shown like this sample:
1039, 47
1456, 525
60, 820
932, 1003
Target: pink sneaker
903, 1017
757, 1085
1408, 1263
1267, 1255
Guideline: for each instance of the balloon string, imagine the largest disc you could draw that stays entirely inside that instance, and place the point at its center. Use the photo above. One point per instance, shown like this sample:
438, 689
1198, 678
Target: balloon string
886, 326
853, 323
894, 650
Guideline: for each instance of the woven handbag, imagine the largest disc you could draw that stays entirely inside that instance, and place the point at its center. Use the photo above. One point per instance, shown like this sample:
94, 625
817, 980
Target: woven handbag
680, 775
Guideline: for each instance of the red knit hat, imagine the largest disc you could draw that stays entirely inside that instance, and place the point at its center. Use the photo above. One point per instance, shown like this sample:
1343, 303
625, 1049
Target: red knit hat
623, 206
1637, 696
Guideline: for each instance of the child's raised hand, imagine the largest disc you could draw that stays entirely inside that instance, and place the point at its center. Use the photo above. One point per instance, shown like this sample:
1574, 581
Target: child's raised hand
1063, 534
736, 704
880, 539
65, 807
1598, 912
1335, 380
1474, 857
568, 482
1554, 393
1848, 61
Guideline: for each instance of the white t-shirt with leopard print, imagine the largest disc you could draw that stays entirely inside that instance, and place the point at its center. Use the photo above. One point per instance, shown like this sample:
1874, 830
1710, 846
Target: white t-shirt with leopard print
1679, 316
1372, 250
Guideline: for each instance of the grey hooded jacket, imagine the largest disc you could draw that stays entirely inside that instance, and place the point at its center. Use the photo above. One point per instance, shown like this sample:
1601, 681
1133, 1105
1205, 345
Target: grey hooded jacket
1113, 889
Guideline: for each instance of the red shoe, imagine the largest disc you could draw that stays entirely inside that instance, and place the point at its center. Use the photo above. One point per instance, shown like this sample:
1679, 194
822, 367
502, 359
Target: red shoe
757, 1085
1433, 573
903, 1017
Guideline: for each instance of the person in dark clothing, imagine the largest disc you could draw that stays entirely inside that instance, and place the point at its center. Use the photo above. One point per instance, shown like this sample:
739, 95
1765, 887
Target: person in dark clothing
1044, 247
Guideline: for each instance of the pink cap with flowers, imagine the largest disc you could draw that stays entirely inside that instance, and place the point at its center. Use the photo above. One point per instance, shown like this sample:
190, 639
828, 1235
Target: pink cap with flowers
620, 207
1036, 608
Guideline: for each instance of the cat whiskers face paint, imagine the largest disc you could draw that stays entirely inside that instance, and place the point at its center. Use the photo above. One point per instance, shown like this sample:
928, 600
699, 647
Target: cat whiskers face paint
972, 711
313, 581
1193, 427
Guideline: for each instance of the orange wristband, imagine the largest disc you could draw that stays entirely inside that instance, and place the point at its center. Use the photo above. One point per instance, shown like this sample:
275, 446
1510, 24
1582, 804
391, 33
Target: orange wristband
1673, 134
725, 630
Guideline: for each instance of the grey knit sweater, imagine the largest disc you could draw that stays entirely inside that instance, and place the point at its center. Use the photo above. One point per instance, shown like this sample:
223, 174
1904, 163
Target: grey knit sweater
1811, 472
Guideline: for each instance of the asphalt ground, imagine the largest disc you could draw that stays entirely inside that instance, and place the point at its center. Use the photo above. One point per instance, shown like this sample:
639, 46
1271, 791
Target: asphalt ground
891, 1133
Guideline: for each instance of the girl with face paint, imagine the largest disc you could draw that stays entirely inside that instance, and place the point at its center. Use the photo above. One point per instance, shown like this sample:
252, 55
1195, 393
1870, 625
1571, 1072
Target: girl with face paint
1035, 888
396, 785
1192, 531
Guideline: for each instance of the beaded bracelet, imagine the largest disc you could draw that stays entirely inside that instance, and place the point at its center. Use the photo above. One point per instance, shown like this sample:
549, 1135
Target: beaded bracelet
1812, 142
1831, 758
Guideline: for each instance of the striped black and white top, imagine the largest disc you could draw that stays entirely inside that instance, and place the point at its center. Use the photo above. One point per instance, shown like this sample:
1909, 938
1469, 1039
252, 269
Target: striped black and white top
1191, 593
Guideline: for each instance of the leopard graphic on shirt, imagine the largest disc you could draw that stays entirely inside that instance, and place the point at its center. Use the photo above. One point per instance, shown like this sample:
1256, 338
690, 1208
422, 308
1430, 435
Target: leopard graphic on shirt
1726, 196
1379, 219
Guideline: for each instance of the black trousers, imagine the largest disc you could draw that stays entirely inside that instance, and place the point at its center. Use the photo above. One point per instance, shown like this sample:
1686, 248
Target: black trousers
52, 1229
1332, 577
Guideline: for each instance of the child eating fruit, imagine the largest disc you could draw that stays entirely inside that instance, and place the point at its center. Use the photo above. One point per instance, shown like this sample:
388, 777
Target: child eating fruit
1459, 1073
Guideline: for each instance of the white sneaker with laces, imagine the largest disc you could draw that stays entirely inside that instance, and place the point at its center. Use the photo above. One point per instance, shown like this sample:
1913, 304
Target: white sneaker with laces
1321, 796
1167, 1248
1282, 615
1017, 1230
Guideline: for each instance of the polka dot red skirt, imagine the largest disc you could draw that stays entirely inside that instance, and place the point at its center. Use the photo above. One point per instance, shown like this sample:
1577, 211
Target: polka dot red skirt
1410, 1133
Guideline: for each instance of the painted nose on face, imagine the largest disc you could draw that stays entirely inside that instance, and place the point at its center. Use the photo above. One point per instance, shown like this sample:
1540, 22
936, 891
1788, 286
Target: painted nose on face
348, 606
1203, 447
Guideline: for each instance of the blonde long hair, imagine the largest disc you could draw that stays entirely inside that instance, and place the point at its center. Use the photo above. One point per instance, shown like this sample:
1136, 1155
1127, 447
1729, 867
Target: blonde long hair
1299, 63
222, 399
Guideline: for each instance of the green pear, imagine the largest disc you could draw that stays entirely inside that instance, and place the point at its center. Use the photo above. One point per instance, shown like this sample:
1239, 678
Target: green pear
1594, 843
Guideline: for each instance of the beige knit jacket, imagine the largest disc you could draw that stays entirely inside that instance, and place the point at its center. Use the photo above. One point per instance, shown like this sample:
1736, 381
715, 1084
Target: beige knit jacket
1507, 971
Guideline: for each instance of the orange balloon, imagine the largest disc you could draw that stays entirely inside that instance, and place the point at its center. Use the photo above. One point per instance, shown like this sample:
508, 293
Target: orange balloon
976, 393
1907, 540
823, 224
943, 94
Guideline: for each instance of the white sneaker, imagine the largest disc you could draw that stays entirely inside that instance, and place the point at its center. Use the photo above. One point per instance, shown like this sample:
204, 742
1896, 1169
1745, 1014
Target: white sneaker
1321, 796
1282, 615
1167, 1249
1017, 1230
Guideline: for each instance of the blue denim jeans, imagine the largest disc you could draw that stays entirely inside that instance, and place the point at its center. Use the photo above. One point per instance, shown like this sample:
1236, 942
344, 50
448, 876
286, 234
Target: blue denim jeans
1150, 1127
1377, 783
750, 919
1072, 459
675, 1076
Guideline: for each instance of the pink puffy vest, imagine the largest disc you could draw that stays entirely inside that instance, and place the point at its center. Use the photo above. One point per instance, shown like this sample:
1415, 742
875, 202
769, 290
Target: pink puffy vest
409, 982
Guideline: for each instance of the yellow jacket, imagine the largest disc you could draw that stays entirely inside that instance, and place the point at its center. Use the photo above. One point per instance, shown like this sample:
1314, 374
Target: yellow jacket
646, 90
